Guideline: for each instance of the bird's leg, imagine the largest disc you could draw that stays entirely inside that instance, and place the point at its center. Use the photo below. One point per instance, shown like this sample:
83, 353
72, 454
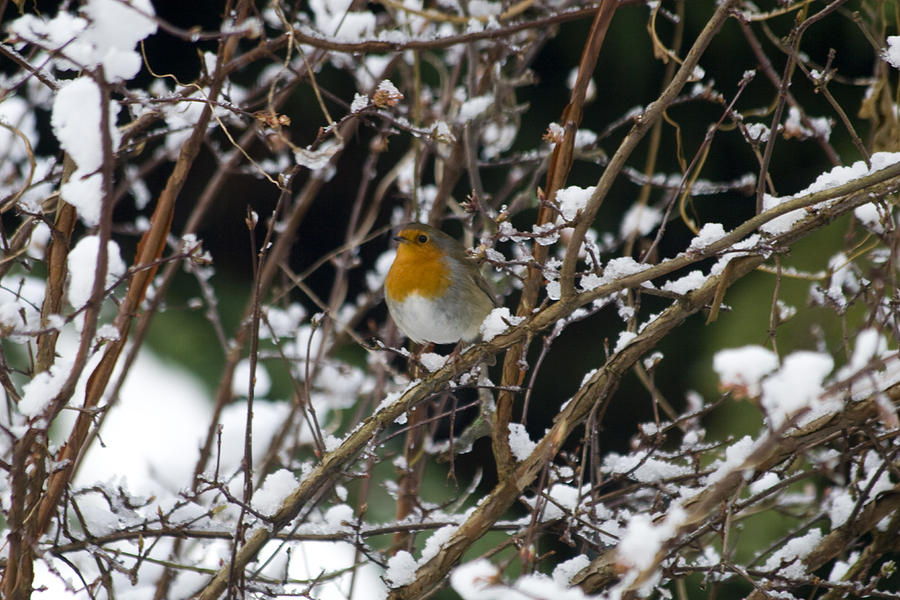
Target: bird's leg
457, 350
415, 360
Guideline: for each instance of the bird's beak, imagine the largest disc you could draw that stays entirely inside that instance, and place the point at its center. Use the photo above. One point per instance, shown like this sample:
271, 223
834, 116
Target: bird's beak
400, 239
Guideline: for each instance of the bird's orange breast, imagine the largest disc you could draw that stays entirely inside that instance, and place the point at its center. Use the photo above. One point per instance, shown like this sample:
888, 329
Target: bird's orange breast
417, 269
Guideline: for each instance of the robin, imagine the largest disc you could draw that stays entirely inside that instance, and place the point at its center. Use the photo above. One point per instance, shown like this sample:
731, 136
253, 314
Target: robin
434, 292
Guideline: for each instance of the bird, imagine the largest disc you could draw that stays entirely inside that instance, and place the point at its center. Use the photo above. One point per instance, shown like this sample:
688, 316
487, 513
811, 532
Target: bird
434, 292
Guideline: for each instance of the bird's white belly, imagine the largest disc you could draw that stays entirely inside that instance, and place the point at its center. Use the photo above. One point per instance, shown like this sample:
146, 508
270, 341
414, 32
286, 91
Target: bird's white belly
422, 322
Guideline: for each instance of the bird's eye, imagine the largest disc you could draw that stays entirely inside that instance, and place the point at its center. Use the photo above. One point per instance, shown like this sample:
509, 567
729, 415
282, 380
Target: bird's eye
422, 238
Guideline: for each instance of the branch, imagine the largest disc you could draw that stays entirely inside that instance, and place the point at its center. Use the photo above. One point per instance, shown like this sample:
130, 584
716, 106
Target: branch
643, 123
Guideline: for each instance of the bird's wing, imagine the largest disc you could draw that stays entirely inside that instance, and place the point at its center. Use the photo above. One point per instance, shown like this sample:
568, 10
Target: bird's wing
486, 288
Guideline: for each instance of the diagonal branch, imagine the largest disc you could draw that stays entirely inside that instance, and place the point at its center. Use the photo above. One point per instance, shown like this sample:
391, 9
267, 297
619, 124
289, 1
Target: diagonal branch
558, 171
